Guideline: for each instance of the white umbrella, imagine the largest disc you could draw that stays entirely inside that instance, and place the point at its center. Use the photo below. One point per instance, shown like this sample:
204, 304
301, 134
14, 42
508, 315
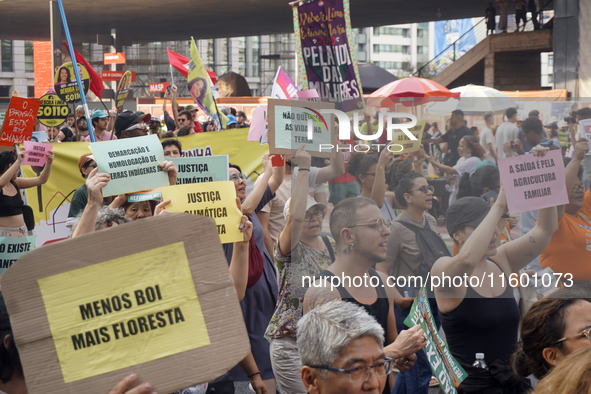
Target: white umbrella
474, 100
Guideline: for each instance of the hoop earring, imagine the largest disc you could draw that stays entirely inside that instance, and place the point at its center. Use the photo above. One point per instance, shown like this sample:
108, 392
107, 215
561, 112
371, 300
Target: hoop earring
348, 249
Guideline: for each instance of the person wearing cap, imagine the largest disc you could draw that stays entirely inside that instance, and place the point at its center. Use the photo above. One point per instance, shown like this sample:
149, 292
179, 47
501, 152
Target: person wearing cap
479, 313
86, 164
507, 131
301, 250
79, 111
193, 118
131, 124
100, 121
154, 125
232, 123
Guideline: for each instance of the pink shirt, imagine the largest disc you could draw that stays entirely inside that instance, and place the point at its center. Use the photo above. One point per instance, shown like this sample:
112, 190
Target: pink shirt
105, 137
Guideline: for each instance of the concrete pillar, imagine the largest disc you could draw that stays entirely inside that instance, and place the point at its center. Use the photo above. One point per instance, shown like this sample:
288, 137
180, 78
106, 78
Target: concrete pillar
489, 70
584, 49
565, 43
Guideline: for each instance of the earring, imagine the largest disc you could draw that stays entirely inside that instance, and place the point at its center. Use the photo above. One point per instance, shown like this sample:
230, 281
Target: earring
348, 249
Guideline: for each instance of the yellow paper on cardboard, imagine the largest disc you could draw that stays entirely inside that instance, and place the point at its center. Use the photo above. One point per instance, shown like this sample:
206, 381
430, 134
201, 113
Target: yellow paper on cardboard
212, 199
101, 322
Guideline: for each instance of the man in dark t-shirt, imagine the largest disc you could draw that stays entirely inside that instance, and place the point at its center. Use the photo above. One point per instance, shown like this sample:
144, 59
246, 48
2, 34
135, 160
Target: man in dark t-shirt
453, 136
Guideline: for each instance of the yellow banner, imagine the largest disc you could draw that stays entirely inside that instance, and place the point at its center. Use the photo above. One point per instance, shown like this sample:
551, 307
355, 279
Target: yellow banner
213, 199
101, 321
51, 202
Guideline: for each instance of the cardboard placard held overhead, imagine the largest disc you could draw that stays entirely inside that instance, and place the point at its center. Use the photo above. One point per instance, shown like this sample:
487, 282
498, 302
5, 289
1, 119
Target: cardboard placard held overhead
162, 307
19, 121
288, 127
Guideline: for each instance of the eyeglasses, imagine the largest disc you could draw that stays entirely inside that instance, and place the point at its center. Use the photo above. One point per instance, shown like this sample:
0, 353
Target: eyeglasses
237, 178
585, 333
315, 214
425, 189
382, 368
377, 224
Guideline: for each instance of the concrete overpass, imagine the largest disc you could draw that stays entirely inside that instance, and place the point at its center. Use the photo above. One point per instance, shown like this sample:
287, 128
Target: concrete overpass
167, 20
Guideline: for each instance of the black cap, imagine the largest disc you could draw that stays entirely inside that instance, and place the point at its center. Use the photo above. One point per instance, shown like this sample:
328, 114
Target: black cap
466, 211
584, 113
127, 118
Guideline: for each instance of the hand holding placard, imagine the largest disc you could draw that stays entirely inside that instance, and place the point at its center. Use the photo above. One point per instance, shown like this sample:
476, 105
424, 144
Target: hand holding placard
36, 153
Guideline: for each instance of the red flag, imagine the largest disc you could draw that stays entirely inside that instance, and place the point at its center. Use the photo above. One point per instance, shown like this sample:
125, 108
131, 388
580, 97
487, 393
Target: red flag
96, 82
181, 63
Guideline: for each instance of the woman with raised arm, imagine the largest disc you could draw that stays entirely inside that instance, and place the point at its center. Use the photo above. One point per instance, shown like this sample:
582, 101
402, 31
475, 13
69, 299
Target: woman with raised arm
12, 220
301, 252
478, 311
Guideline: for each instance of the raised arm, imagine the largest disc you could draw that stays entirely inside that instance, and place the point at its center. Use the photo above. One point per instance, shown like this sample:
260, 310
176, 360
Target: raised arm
378, 191
442, 167
252, 200
25, 183
239, 262
335, 169
94, 185
170, 168
173, 103
571, 171
290, 235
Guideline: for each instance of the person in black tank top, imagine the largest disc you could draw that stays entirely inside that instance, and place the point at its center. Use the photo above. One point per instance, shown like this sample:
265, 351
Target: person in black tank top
360, 234
480, 315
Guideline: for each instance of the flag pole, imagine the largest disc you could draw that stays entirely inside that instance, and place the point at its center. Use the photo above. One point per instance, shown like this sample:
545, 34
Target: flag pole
76, 72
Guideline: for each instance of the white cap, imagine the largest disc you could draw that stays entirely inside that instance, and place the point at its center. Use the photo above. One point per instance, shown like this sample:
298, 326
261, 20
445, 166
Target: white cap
310, 202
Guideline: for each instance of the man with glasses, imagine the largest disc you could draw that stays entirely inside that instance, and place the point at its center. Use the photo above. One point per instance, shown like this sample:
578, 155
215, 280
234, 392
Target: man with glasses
131, 124
340, 346
361, 235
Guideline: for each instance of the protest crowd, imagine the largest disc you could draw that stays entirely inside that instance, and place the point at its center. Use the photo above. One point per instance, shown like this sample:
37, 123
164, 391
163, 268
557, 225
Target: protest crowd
354, 271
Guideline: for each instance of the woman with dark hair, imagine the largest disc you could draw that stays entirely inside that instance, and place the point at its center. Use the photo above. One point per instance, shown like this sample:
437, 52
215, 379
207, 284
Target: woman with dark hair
471, 153
483, 317
197, 89
12, 220
551, 329
63, 76
485, 178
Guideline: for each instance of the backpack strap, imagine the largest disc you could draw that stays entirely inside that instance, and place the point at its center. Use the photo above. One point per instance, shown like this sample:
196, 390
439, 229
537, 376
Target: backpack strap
328, 246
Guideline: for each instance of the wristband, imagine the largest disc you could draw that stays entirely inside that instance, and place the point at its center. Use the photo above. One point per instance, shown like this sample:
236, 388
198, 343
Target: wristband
254, 374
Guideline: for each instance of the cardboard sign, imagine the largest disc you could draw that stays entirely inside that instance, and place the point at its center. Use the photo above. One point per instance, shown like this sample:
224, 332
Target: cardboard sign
132, 163
258, 124
108, 75
85, 323
158, 87
19, 121
114, 58
444, 366
288, 126
212, 199
12, 248
585, 127
65, 83
405, 144
53, 111
123, 89
533, 182
36, 153
201, 169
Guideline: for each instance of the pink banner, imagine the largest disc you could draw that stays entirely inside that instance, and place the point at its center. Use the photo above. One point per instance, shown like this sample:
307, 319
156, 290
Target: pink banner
283, 87
533, 182
36, 153
258, 124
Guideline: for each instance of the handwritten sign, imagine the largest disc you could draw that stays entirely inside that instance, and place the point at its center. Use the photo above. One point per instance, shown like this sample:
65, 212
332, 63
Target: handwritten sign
444, 366
19, 121
585, 127
53, 111
212, 199
65, 83
132, 164
201, 169
36, 153
158, 87
101, 309
532, 182
288, 126
12, 248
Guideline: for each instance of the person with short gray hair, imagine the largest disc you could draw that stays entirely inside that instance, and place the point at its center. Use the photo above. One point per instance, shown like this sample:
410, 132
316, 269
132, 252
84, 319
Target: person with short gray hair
337, 339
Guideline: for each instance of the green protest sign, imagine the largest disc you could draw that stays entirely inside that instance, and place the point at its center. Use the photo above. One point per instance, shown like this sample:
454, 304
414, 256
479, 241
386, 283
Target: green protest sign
201, 169
138, 197
132, 164
445, 367
12, 248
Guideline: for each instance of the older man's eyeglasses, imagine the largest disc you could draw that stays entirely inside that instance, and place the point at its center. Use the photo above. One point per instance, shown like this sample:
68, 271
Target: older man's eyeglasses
311, 215
237, 177
585, 333
381, 368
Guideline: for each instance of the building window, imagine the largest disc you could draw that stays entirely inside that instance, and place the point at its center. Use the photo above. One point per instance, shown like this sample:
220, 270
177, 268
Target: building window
420, 50
391, 31
6, 54
420, 33
30, 91
386, 48
405, 49
29, 57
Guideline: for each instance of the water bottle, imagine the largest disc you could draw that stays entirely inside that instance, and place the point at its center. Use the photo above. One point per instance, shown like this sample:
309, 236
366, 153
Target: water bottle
479, 362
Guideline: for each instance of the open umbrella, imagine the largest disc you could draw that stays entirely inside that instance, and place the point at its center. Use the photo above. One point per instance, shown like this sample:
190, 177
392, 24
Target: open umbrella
414, 91
374, 77
474, 100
